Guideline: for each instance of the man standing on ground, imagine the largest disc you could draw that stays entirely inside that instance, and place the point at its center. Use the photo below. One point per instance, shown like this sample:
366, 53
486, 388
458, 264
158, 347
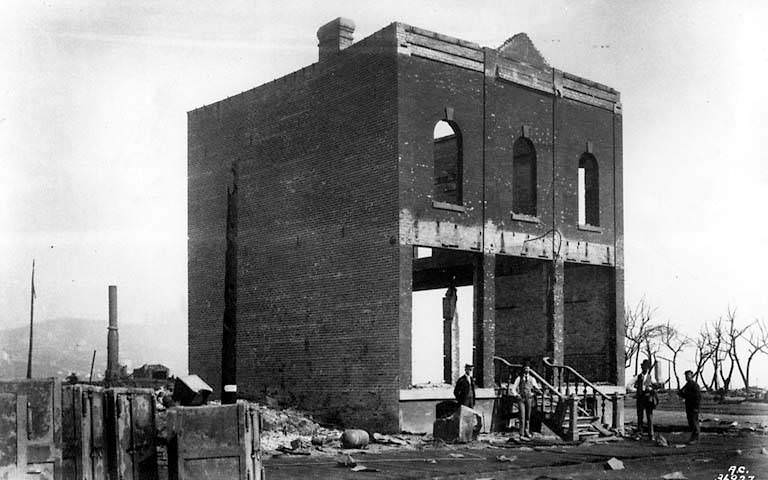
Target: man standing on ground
465, 388
645, 396
691, 393
525, 387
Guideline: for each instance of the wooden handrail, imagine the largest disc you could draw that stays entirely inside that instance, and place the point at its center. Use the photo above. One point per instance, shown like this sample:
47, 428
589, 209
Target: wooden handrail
548, 363
533, 374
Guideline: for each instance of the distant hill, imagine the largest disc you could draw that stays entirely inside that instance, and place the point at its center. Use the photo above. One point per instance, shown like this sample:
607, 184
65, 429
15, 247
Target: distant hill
66, 345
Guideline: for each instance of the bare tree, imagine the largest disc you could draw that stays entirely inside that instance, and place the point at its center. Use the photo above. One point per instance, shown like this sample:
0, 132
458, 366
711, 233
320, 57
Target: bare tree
675, 342
703, 354
714, 337
758, 342
640, 333
730, 340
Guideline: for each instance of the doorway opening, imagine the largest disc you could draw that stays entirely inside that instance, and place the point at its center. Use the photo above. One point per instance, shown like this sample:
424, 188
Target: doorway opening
443, 299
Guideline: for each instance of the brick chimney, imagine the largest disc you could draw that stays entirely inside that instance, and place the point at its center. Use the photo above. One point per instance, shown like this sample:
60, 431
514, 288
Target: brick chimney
334, 37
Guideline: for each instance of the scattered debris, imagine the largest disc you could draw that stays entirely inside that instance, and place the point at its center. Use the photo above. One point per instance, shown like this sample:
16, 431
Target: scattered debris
363, 468
346, 461
674, 475
299, 444
288, 421
504, 458
661, 441
615, 464
597, 425
354, 438
612, 438
388, 440
292, 451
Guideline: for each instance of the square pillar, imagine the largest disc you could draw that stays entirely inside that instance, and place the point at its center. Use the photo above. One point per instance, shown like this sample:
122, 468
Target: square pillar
484, 323
618, 195
406, 300
618, 344
554, 276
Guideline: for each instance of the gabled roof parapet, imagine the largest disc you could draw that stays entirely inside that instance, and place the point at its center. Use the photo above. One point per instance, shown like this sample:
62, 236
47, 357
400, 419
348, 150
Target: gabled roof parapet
519, 47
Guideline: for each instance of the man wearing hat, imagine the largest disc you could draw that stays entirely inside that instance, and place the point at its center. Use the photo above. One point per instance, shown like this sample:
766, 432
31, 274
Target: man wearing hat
465, 388
524, 389
645, 396
691, 393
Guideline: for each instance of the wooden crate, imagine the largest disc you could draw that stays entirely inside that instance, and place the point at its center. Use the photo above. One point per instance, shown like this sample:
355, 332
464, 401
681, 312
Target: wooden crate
213, 442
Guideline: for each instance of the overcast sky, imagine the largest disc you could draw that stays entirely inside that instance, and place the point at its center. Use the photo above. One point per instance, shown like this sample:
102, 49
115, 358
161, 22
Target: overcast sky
94, 95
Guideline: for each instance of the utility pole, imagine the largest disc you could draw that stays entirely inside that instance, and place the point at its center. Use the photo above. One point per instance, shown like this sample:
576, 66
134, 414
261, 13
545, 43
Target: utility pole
31, 321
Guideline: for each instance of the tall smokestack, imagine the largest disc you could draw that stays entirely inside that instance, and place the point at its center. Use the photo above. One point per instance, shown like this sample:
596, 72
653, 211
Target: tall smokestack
113, 365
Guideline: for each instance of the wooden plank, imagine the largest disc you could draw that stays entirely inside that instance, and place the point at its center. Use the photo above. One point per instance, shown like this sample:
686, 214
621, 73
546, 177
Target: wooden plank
442, 46
430, 54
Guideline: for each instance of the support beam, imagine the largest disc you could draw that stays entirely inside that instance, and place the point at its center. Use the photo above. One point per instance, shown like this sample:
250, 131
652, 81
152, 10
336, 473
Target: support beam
617, 366
554, 276
406, 300
618, 216
451, 367
485, 319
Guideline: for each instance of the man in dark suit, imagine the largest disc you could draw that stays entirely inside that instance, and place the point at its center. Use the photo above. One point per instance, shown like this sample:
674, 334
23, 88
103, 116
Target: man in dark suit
691, 393
465, 388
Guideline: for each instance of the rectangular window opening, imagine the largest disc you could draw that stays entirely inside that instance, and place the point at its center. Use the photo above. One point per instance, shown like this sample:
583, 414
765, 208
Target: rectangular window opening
582, 190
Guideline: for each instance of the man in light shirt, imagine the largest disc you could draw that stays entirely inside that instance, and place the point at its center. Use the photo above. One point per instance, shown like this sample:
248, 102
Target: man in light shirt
524, 388
645, 396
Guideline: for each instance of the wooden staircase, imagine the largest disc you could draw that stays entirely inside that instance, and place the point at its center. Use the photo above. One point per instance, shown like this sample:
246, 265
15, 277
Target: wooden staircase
571, 406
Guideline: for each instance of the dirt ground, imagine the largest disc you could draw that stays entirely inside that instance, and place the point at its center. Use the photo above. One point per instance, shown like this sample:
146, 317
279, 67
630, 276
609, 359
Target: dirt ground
723, 445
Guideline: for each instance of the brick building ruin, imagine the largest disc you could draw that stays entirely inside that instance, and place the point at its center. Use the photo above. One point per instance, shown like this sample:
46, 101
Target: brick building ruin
394, 171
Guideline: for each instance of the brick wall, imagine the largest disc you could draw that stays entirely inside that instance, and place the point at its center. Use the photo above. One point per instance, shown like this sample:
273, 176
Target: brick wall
319, 260
511, 107
589, 313
576, 124
426, 89
521, 320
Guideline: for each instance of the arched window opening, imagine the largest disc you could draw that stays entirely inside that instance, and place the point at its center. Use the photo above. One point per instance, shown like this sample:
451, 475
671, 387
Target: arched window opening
589, 191
448, 166
524, 177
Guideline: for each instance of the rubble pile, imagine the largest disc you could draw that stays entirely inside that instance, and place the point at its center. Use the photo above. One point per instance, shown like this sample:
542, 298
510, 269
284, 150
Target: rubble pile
291, 431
